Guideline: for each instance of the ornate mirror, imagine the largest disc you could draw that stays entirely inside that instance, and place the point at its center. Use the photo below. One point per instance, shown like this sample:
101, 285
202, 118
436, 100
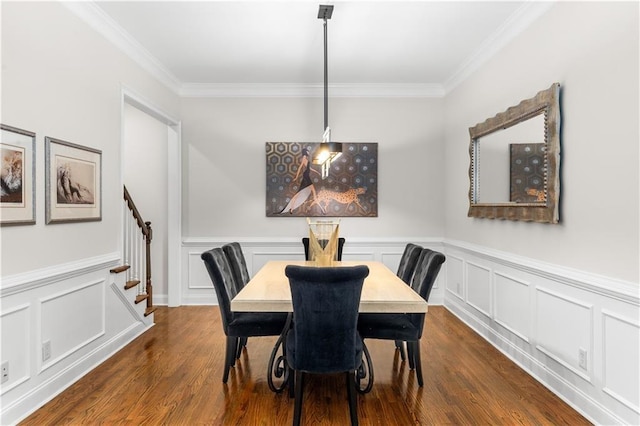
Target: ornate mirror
515, 161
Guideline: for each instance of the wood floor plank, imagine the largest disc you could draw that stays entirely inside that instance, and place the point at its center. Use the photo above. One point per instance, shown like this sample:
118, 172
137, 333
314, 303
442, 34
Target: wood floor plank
172, 375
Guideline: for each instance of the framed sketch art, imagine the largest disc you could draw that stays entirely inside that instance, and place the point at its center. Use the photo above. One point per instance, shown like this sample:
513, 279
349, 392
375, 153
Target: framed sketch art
73, 182
17, 178
296, 188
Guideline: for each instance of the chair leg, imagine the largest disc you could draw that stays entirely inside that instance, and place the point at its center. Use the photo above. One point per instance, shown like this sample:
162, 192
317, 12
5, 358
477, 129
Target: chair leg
400, 347
418, 363
351, 392
235, 351
242, 342
291, 383
297, 406
229, 359
411, 355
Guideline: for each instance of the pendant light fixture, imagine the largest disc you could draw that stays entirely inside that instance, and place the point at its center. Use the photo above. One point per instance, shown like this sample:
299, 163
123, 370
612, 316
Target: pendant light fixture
327, 151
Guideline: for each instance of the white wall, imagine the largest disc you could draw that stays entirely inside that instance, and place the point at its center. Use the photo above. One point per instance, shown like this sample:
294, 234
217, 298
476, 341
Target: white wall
551, 296
591, 49
61, 79
225, 163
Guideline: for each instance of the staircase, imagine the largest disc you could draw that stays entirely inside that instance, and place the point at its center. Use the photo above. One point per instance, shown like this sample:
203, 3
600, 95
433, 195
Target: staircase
137, 256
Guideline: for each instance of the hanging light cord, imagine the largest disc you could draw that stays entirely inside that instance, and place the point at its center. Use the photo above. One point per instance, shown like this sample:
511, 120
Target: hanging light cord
326, 80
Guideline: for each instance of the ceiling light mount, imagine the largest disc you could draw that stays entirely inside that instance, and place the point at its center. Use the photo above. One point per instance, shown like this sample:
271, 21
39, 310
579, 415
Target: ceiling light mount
325, 11
328, 151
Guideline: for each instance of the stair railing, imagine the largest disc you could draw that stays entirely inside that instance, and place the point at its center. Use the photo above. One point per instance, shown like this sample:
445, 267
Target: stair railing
137, 253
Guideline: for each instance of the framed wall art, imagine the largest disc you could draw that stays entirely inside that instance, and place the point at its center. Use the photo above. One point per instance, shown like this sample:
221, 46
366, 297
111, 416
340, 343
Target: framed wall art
73, 181
17, 177
295, 187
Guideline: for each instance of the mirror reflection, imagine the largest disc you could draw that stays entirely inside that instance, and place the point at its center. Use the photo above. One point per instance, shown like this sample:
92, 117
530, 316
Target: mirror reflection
513, 167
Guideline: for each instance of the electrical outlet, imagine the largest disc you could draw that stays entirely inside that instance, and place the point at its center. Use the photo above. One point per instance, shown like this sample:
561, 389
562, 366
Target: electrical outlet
46, 350
582, 358
5, 372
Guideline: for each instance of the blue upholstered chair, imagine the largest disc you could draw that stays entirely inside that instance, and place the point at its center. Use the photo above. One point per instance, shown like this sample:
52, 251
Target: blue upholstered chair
305, 243
406, 327
324, 338
236, 325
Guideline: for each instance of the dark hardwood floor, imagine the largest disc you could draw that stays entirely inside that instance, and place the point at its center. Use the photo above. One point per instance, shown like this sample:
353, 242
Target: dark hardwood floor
171, 375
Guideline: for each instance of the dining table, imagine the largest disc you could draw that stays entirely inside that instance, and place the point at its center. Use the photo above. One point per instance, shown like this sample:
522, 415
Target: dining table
268, 291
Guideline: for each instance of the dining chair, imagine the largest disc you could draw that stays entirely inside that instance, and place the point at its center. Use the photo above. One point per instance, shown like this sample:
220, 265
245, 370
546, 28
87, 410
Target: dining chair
238, 263
406, 327
305, 243
408, 262
324, 338
237, 325
406, 268
233, 251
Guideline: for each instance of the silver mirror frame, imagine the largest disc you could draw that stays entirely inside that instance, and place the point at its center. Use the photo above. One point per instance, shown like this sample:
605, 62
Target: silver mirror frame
546, 102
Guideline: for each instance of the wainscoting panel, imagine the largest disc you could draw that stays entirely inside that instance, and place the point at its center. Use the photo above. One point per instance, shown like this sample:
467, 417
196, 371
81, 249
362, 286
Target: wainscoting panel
388, 259
513, 303
60, 326
197, 288
454, 266
260, 257
565, 330
16, 339
576, 333
479, 288
199, 277
621, 348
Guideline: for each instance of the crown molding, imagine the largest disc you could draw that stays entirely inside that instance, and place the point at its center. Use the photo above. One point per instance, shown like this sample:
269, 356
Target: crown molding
286, 90
519, 20
102, 23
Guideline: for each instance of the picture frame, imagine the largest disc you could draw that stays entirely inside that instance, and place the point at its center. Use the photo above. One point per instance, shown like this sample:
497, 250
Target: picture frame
17, 176
73, 182
350, 189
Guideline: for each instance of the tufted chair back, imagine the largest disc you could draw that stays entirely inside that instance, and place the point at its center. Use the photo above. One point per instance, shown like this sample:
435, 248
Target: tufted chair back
238, 263
324, 338
224, 283
408, 262
427, 269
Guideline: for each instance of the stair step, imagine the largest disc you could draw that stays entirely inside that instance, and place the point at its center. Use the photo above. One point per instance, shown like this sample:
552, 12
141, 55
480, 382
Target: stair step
131, 284
119, 269
141, 297
149, 311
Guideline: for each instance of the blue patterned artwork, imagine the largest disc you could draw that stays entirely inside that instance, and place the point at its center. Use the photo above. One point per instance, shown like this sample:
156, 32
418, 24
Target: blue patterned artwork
295, 187
528, 173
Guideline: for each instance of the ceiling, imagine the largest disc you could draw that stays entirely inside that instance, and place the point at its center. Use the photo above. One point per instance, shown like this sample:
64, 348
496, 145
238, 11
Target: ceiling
200, 46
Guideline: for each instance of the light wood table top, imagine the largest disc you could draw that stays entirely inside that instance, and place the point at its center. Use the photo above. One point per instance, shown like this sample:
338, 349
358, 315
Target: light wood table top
383, 291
